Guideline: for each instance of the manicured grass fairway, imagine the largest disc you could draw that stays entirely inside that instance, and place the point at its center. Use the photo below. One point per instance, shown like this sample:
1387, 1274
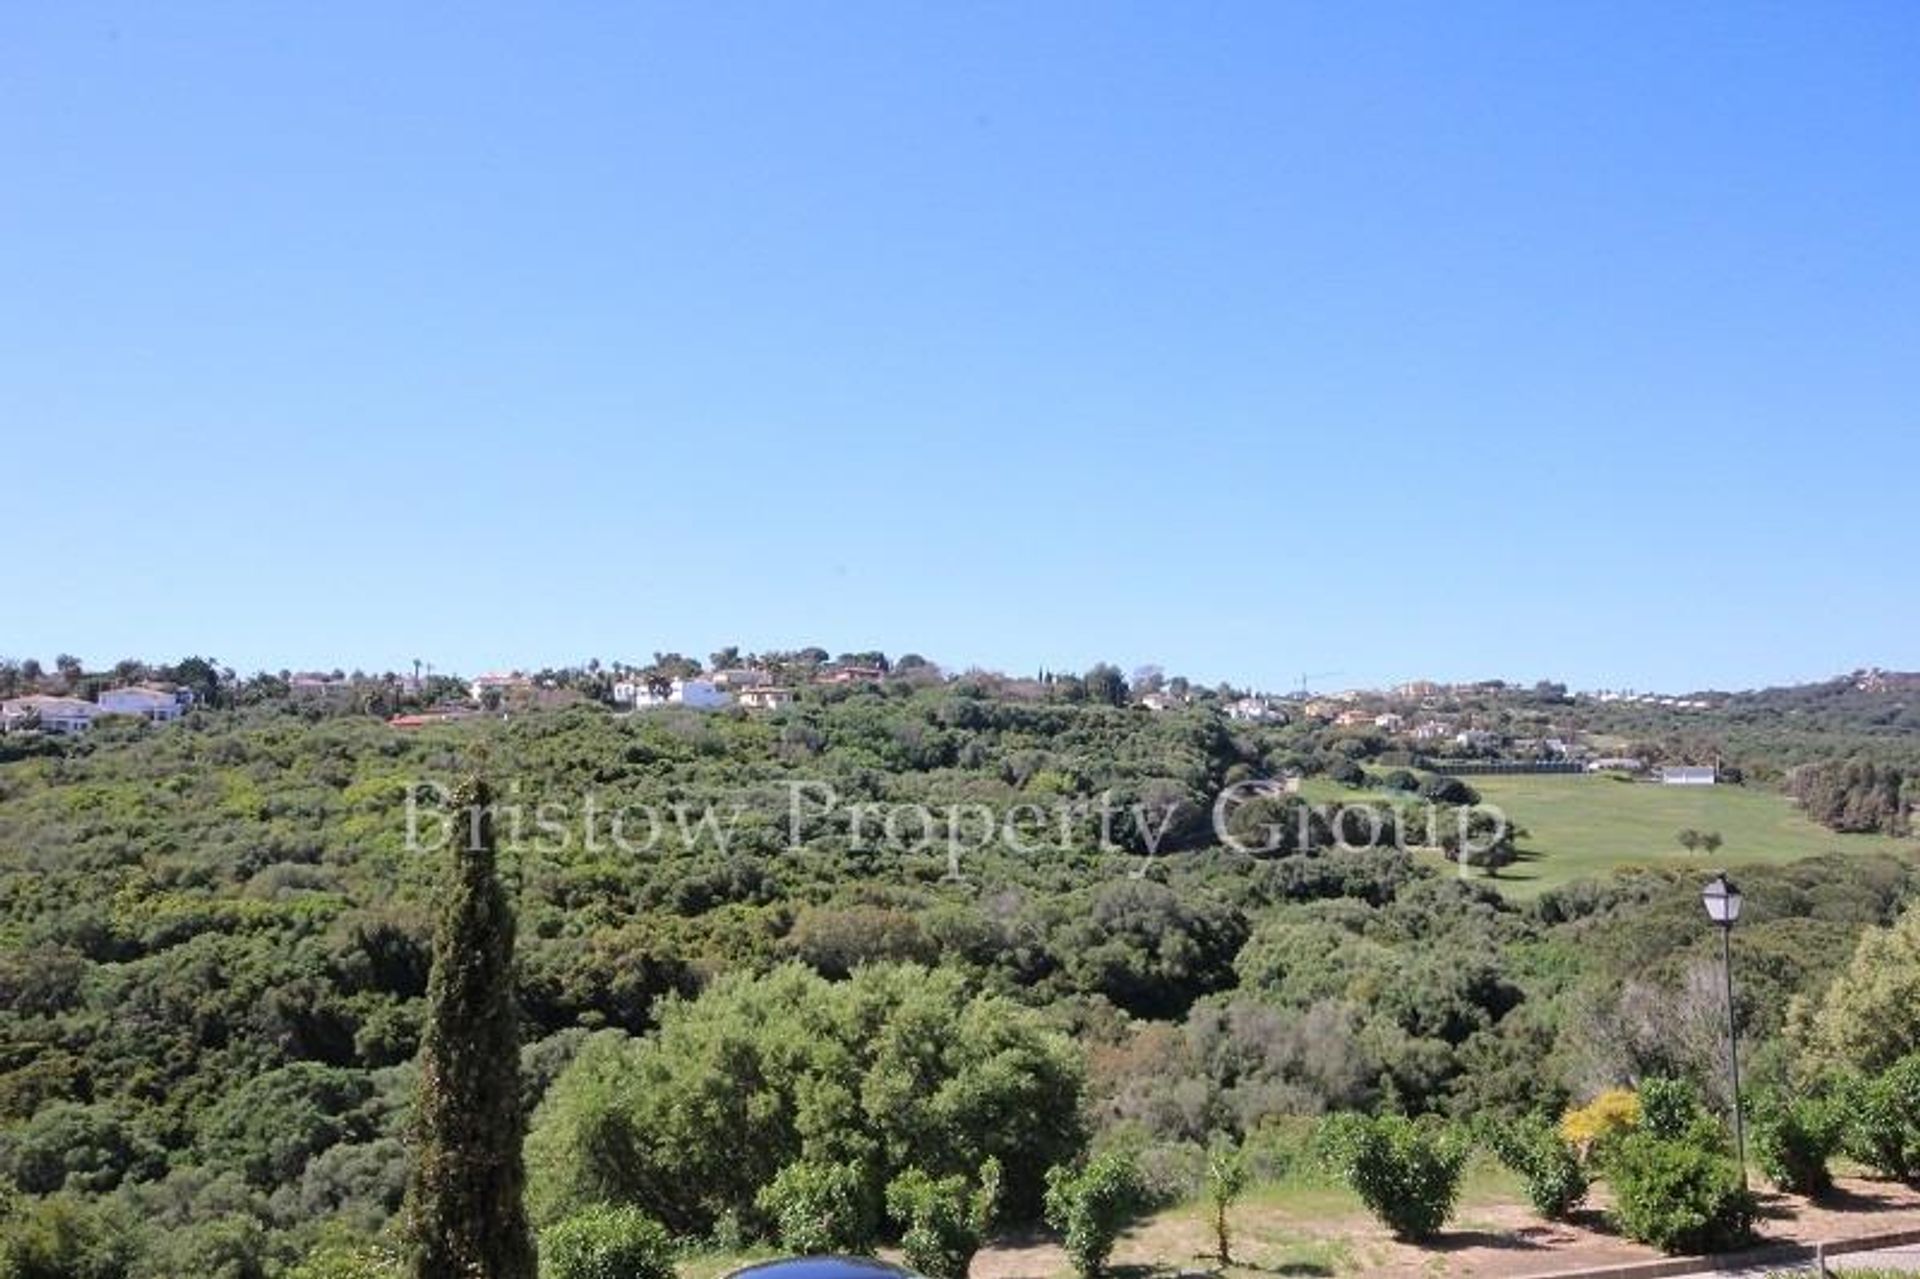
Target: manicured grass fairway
1581, 826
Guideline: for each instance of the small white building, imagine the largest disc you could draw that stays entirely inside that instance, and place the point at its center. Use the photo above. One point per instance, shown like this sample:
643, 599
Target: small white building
157, 705
51, 714
1689, 775
766, 697
1389, 721
1255, 710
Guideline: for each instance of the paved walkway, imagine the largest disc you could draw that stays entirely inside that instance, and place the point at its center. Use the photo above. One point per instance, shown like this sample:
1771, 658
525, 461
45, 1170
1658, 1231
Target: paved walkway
1904, 1260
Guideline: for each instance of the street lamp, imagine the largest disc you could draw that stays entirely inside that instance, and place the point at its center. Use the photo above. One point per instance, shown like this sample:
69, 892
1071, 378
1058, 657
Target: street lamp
1722, 901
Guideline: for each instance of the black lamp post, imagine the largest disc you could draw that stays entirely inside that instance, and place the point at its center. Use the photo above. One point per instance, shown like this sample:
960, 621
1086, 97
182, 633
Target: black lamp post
1722, 901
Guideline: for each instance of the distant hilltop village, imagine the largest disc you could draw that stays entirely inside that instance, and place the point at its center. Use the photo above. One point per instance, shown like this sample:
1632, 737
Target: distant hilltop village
1484, 726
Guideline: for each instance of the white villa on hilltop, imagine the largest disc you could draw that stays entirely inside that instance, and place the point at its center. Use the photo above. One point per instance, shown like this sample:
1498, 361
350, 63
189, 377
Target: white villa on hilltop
157, 705
700, 694
51, 714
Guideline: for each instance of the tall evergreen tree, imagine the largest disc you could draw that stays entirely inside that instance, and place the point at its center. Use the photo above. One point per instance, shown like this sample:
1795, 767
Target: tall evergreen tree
465, 1217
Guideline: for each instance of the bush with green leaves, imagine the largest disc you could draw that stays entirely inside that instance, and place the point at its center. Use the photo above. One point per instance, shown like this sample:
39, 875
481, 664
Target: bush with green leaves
1555, 1179
1671, 1109
819, 1207
1793, 1138
1406, 1172
1091, 1205
1882, 1128
1678, 1196
606, 1242
77, 1147
943, 1220
896, 1067
64, 1237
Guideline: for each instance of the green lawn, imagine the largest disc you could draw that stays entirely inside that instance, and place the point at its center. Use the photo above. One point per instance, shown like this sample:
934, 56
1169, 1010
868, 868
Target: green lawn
1579, 826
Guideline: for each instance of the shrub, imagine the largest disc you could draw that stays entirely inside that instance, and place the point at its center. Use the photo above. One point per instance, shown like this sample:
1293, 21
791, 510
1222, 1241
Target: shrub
1589, 1129
1671, 1110
819, 1208
1091, 1206
1407, 1173
896, 1067
1677, 1196
943, 1221
1556, 1181
1882, 1128
606, 1243
1793, 1138
63, 1237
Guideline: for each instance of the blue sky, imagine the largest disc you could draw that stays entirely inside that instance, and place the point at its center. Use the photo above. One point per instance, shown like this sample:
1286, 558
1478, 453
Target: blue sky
1248, 339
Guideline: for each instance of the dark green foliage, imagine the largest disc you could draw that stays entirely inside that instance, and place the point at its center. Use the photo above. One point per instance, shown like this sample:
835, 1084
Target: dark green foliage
1150, 950
269, 1126
464, 1213
76, 1147
1856, 795
1347, 773
1442, 789
606, 1242
1677, 1196
1406, 1173
1793, 1138
820, 1208
943, 1220
1091, 1205
1106, 685
1556, 1181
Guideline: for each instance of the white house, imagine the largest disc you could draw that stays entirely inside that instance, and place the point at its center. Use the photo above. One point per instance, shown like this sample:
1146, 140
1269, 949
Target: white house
1389, 721
1255, 710
55, 714
1689, 775
496, 683
697, 693
155, 704
766, 697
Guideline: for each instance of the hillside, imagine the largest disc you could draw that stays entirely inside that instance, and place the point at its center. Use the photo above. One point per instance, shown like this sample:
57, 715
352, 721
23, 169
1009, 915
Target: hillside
215, 952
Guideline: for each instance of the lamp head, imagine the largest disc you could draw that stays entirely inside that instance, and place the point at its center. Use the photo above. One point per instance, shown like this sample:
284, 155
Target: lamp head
1722, 900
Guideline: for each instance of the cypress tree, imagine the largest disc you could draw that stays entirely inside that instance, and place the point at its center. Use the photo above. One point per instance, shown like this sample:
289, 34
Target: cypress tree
465, 1217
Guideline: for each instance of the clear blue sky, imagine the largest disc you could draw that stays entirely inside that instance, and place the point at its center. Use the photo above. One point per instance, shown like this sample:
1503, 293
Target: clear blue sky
1576, 340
